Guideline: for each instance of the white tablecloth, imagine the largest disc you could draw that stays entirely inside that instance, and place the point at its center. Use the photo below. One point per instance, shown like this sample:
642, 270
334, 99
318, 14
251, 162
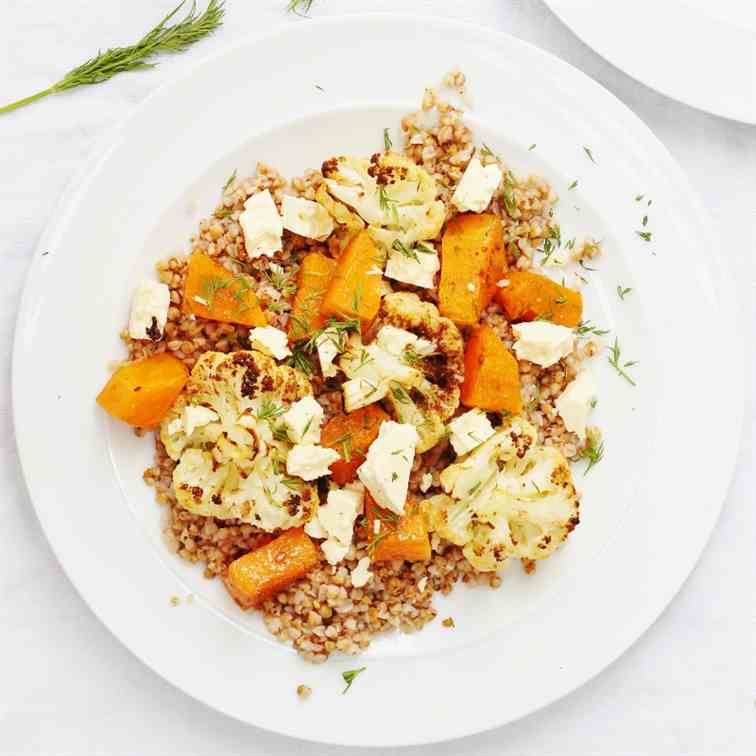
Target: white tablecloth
67, 687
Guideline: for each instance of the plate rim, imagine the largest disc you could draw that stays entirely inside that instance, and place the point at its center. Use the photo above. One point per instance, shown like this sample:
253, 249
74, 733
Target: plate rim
68, 204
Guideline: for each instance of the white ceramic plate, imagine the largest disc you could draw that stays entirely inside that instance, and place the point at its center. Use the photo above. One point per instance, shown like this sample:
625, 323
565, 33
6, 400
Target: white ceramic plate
695, 51
648, 507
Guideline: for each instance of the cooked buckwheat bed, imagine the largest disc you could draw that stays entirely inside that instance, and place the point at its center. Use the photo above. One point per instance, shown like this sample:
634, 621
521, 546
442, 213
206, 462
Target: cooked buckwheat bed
323, 611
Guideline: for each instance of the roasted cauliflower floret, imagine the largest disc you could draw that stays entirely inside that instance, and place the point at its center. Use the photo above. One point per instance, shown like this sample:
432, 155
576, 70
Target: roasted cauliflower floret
510, 497
223, 432
433, 399
393, 195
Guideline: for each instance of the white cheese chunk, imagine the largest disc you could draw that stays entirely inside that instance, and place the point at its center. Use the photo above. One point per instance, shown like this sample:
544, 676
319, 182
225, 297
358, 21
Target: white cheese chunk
422, 584
271, 341
328, 349
262, 225
175, 426
576, 401
542, 343
310, 461
386, 469
476, 187
195, 416
418, 270
334, 521
149, 310
306, 218
303, 421
361, 573
469, 430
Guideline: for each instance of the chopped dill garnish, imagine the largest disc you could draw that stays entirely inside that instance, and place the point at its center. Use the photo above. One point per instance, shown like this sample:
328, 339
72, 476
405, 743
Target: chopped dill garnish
616, 363
572, 185
350, 675
585, 327
645, 235
588, 152
230, 180
593, 453
387, 143
622, 292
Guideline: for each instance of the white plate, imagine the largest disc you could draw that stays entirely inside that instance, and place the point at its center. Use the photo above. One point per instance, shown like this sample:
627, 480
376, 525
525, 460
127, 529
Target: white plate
648, 507
695, 51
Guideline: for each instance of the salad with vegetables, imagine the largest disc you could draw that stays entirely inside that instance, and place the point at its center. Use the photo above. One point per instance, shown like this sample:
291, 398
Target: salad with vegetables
368, 383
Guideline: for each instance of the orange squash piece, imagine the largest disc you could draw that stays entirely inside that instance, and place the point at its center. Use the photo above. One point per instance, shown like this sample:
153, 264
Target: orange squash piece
473, 259
492, 376
214, 293
355, 289
315, 274
407, 537
351, 435
264, 572
531, 295
141, 393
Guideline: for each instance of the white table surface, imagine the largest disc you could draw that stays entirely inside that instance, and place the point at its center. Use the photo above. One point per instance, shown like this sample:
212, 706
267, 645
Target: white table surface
68, 687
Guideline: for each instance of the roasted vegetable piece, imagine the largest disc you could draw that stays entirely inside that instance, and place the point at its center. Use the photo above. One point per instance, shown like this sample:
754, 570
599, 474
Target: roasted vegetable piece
492, 376
355, 289
315, 275
472, 261
264, 572
403, 537
214, 293
530, 295
141, 393
351, 435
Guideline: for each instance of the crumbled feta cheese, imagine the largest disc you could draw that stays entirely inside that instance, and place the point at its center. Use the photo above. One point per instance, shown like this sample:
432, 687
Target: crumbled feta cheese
542, 343
149, 310
306, 218
471, 287
328, 349
195, 416
262, 225
271, 341
303, 421
469, 430
359, 392
361, 573
334, 521
418, 272
386, 469
502, 283
426, 482
422, 584
576, 401
476, 187
310, 461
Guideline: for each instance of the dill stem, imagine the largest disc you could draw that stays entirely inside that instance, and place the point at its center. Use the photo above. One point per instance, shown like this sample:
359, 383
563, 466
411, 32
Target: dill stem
28, 100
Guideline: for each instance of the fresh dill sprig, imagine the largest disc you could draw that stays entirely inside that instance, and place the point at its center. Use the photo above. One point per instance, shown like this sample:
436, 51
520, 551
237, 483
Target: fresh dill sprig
387, 143
268, 410
588, 152
162, 38
645, 235
532, 147
616, 363
593, 453
572, 185
300, 7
